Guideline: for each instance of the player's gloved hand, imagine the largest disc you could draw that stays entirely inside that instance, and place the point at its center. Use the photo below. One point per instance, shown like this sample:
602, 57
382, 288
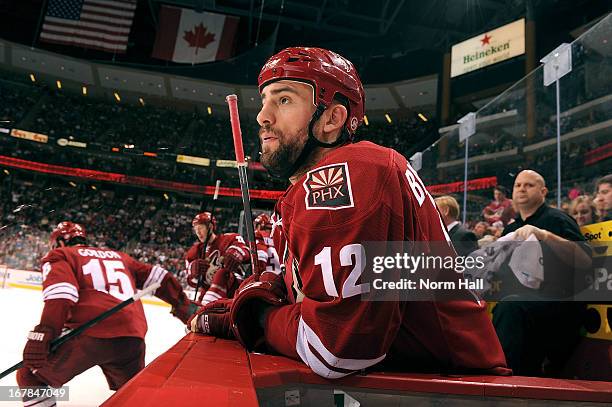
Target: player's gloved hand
275, 281
249, 309
185, 309
232, 260
250, 279
213, 319
36, 351
197, 268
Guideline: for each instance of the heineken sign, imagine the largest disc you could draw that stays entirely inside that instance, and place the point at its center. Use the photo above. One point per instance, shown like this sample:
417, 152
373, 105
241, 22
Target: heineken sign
489, 48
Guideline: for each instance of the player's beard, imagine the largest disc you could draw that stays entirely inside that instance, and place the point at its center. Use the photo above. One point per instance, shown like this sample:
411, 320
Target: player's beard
282, 159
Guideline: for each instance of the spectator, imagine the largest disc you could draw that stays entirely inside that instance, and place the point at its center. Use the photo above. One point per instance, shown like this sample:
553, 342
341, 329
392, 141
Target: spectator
582, 210
463, 240
575, 192
494, 211
604, 197
531, 330
480, 229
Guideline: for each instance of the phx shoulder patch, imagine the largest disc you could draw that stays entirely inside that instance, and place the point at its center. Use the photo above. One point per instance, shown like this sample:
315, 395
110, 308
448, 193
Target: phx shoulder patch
329, 187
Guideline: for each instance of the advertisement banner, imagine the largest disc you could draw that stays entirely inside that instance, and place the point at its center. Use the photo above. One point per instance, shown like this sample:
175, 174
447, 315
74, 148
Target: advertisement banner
188, 159
28, 135
488, 48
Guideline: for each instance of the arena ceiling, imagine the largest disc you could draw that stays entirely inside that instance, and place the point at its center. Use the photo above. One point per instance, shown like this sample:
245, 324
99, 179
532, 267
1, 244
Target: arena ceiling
409, 35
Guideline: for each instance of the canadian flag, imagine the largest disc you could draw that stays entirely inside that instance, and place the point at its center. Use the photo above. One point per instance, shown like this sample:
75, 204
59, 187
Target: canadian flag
186, 36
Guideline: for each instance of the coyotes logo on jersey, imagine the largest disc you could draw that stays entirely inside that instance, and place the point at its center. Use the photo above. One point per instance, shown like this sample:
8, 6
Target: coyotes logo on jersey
329, 187
215, 264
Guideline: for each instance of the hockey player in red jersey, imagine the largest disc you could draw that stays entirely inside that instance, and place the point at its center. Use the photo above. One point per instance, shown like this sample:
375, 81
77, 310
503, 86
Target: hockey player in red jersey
267, 257
218, 262
342, 194
81, 282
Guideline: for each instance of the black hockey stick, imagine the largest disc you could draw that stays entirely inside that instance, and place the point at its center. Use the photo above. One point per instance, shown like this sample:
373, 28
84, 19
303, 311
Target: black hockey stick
232, 102
57, 342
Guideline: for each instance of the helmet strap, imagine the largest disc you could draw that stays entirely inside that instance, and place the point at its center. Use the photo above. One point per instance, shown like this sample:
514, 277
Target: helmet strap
312, 142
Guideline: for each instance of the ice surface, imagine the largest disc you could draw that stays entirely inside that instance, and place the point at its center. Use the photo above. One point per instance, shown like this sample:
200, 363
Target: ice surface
20, 311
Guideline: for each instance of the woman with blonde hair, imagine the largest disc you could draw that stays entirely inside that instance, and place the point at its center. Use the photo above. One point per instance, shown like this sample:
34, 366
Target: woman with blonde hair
582, 210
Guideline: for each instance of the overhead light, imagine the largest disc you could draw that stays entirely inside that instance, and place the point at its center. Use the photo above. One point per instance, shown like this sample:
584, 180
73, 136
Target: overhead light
84, 90
58, 83
32, 77
7, 172
422, 117
117, 97
365, 120
94, 187
209, 110
141, 101
166, 197
388, 117
72, 184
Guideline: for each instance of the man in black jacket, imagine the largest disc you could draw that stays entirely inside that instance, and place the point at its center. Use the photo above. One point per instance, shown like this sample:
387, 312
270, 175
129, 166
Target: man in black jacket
464, 240
541, 324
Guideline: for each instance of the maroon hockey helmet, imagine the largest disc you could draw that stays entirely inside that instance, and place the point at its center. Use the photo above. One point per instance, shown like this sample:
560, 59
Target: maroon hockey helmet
263, 221
205, 218
328, 72
66, 231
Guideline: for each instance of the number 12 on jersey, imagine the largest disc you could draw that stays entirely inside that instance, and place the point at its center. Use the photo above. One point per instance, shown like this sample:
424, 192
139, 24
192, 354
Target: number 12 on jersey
349, 287
112, 271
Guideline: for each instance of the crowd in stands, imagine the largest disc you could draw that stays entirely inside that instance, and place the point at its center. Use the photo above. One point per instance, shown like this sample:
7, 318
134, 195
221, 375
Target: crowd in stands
60, 114
16, 101
164, 131
150, 228
581, 201
159, 231
91, 120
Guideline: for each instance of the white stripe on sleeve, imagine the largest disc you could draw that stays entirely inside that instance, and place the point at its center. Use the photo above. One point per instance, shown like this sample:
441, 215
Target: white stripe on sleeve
61, 290
156, 275
306, 337
210, 296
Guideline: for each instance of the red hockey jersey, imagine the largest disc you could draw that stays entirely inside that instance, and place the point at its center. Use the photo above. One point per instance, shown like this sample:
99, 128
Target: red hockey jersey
218, 286
97, 280
357, 193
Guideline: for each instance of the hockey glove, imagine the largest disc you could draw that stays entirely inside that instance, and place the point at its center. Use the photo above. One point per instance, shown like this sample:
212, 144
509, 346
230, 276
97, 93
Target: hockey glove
213, 319
185, 310
197, 268
249, 310
232, 260
36, 351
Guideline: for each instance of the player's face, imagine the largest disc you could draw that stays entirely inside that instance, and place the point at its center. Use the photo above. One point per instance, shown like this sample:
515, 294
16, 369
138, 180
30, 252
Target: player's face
201, 231
287, 107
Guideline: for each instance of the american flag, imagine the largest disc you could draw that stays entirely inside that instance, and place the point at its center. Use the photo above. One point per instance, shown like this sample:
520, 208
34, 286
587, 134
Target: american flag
98, 24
